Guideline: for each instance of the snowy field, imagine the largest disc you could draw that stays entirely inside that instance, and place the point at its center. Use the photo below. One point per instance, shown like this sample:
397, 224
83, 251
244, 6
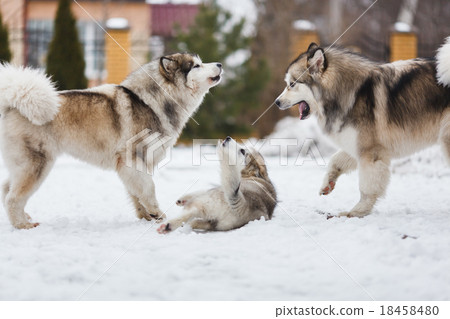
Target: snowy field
90, 246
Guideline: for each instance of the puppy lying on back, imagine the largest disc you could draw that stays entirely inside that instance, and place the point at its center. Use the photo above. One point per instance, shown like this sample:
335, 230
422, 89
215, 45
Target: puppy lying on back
246, 193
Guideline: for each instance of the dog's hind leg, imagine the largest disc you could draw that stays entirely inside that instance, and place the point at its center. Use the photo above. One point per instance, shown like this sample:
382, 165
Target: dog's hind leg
374, 177
24, 181
186, 198
340, 163
180, 221
5, 190
203, 224
444, 136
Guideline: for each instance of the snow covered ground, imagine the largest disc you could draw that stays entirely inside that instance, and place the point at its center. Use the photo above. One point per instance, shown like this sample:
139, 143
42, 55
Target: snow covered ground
90, 245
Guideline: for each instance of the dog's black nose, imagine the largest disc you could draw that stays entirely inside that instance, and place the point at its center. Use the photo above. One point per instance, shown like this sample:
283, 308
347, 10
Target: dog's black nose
278, 103
219, 65
228, 138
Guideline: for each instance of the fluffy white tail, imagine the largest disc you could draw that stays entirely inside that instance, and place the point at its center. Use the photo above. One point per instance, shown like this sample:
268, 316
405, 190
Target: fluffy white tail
29, 91
443, 63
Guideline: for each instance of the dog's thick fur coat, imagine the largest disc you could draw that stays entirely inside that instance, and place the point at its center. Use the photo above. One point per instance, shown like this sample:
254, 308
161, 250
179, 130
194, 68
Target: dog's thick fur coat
38, 124
373, 112
246, 193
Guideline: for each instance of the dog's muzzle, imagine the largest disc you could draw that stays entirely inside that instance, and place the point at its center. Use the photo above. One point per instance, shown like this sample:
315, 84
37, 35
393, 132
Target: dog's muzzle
226, 140
280, 105
217, 77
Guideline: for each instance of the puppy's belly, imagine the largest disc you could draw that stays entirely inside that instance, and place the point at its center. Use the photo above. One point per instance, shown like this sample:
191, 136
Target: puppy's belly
212, 204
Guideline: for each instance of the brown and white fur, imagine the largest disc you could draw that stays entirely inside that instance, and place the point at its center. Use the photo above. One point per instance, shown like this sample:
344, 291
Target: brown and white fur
374, 112
38, 124
246, 193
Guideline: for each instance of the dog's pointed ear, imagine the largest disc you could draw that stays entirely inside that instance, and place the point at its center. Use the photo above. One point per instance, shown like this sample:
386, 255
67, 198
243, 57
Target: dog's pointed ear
317, 61
167, 67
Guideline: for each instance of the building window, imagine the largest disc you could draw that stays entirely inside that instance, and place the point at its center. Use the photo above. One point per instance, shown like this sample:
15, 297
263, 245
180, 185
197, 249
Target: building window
39, 36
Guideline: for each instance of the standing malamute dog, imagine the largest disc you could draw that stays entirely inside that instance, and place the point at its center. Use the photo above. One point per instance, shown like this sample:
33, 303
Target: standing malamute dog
374, 112
38, 123
246, 193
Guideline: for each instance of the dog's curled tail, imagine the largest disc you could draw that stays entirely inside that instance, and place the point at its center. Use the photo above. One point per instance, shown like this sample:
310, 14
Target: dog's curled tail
30, 91
443, 63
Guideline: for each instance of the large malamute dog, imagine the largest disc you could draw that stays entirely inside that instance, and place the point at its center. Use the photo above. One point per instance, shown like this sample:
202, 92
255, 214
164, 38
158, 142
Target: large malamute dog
38, 123
246, 193
373, 112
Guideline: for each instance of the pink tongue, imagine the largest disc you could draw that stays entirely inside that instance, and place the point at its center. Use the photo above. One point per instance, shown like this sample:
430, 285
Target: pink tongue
301, 107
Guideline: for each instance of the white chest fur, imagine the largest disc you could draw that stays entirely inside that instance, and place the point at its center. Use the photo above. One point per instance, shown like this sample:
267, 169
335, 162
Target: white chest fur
347, 140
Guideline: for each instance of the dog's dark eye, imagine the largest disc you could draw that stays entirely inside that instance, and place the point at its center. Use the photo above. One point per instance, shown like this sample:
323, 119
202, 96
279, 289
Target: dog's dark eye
292, 84
242, 151
196, 66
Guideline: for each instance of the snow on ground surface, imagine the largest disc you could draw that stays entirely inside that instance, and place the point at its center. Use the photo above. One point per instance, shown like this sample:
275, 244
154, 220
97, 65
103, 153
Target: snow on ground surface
88, 231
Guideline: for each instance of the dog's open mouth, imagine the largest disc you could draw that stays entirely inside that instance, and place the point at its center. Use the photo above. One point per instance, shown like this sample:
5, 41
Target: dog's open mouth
304, 110
216, 78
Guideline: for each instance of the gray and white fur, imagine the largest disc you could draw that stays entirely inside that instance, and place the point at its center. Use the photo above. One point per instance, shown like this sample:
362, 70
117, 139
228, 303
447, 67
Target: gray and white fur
38, 124
374, 112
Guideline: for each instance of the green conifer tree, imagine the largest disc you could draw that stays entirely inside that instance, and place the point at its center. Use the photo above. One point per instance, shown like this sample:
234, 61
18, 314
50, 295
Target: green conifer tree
226, 110
5, 53
65, 60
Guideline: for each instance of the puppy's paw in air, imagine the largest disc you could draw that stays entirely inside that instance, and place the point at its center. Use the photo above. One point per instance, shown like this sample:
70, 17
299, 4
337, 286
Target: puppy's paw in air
181, 202
164, 228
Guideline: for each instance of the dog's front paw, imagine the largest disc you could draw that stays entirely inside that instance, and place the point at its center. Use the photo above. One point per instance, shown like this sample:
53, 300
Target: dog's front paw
155, 215
327, 187
164, 228
26, 225
181, 202
353, 214
158, 218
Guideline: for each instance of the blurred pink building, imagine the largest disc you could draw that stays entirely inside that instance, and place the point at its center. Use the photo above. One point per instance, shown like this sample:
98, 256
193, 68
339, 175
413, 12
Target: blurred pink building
165, 16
